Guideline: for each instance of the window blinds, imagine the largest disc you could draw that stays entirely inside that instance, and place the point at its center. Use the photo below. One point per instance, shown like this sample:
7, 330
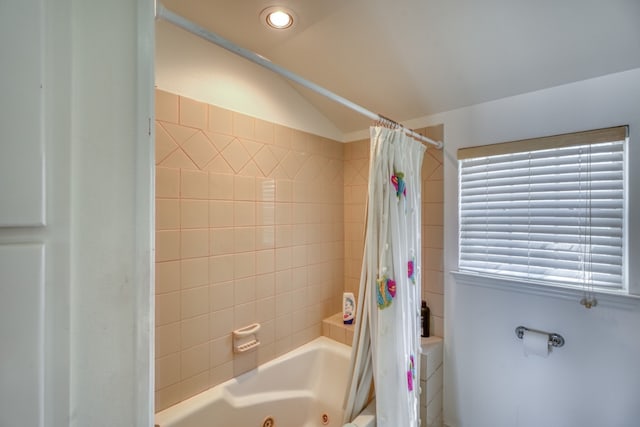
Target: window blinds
550, 209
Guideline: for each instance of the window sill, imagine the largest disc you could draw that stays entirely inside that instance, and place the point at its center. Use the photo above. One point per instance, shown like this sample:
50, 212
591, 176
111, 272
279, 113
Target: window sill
620, 299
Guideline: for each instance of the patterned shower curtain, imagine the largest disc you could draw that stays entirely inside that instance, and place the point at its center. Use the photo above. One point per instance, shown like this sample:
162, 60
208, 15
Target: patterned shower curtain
386, 344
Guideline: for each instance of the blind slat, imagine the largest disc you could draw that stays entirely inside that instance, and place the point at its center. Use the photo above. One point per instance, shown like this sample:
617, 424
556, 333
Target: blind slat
551, 214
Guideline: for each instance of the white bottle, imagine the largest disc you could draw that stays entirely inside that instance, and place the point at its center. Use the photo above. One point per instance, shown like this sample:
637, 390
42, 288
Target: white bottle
348, 308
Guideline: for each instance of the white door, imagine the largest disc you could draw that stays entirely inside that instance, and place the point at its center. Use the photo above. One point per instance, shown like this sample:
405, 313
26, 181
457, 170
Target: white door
75, 293
22, 214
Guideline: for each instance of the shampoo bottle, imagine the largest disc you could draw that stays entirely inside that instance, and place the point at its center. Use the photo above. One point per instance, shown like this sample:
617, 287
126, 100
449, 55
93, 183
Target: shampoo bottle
348, 308
424, 317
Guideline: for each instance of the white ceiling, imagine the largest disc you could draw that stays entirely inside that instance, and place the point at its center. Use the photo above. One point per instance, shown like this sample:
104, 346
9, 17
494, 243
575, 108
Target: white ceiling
408, 59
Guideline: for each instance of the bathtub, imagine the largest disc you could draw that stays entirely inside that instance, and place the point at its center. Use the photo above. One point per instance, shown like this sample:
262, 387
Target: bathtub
303, 388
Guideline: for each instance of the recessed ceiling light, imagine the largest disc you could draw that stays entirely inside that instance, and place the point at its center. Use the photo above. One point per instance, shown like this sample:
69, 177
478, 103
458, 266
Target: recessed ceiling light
277, 17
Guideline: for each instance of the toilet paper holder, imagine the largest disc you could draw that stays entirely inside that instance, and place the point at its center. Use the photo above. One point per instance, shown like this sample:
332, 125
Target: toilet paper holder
555, 340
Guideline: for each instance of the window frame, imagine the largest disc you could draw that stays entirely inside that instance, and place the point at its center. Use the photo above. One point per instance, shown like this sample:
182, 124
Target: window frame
541, 287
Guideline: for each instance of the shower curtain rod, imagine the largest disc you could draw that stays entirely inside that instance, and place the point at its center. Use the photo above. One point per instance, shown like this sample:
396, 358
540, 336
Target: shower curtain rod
169, 16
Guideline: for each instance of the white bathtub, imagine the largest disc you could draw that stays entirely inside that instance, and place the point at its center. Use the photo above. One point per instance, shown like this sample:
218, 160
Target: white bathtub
296, 390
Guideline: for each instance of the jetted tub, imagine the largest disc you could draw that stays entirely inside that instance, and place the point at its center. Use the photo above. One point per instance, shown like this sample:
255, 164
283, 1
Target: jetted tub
303, 388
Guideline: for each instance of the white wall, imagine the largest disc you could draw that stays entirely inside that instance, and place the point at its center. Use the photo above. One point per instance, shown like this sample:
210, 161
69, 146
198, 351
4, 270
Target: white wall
594, 379
190, 66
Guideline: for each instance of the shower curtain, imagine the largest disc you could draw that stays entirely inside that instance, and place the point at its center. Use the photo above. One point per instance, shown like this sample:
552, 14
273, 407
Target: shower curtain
386, 344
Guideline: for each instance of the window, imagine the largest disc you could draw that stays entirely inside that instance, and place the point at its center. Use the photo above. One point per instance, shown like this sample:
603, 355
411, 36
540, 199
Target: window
548, 210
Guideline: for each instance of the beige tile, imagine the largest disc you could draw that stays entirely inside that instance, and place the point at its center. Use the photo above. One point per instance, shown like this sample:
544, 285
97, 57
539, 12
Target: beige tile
221, 241
299, 298
252, 147
284, 303
220, 374
265, 237
235, 155
219, 140
264, 131
194, 243
221, 268
164, 145
193, 113
166, 106
244, 315
301, 321
284, 190
167, 245
265, 189
221, 296
265, 285
199, 149
194, 331
299, 235
265, 213
265, 261
220, 186
435, 303
244, 188
283, 213
167, 277
244, 290
299, 213
245, 362
243, 126
299, 256
194, 272
299, 277
167, 308
432, 214
194, 360
433, 237
221, 350
219, 166
244, 239
433, 281
284, 279
283, 326
178, 132
292, 163
283, 259
244, 265
244, 214
433, 259
195, 302
433, 192
221, 323
282, 136
167, 182
167, 214
167, 339
220, 213
167, 370
266, 312
195, 385
266, 160
194, 213
220, 120
250, 169
178, 159
194, 184
167, 396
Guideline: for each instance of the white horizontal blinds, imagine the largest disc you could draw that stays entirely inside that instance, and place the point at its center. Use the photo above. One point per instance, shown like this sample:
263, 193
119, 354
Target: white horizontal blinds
551, 214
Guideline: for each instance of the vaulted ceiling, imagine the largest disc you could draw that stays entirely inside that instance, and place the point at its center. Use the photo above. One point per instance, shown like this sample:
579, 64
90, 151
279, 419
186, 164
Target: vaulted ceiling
411, 58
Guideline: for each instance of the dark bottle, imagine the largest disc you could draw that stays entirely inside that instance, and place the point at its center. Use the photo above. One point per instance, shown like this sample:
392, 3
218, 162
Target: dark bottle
424, 318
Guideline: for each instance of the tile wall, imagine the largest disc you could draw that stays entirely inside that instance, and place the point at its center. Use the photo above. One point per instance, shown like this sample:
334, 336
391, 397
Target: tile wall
249, 228
356, 170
